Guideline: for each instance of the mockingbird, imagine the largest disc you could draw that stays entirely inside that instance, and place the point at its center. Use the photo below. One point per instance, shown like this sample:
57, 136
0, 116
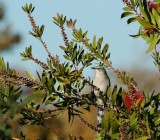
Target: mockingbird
100, 81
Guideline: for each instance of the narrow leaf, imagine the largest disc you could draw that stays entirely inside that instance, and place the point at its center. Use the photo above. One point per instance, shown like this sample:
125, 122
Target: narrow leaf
125, 14
153, 43
144, 23
30, 75
131, 20
94, 44
31, 97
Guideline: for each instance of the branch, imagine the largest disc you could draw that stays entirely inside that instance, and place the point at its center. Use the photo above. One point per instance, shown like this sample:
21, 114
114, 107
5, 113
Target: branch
139, 15
34, 26
20, 80
65, 38
42, 64
88, 124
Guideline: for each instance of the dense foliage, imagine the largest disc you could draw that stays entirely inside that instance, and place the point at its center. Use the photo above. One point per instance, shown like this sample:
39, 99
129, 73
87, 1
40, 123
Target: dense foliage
130, 112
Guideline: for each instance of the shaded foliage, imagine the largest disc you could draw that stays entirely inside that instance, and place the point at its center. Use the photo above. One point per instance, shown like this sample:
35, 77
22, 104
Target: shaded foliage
61, 83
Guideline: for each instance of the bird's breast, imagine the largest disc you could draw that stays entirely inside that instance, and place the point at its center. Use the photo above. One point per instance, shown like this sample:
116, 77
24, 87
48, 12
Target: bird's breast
101, 84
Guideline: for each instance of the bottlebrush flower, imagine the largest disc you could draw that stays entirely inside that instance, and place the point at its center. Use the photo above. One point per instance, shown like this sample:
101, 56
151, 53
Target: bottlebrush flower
138, 95
148, 31
152, 4
128, 102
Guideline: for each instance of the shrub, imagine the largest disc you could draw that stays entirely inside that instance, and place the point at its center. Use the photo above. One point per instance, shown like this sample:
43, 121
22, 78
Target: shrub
130, 112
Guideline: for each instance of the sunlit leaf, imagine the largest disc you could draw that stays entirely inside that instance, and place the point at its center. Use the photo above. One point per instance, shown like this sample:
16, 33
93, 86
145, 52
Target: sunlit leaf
30, 75
156, 16
127, 9
153, 43
144, 23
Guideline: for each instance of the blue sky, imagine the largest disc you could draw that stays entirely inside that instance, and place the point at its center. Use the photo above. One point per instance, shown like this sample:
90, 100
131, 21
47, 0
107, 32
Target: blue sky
100, 18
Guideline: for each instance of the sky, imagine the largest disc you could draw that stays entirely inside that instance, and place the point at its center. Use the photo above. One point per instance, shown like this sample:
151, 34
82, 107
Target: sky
100, 18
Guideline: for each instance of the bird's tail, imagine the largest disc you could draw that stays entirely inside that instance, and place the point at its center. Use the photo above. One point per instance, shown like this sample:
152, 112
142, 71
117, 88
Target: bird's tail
100, 116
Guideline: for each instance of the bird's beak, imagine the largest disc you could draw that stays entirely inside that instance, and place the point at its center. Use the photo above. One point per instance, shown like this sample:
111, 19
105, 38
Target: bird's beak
93, 68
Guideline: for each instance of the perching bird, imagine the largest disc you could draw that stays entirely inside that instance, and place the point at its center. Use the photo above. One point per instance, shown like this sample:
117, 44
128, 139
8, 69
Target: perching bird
101, 81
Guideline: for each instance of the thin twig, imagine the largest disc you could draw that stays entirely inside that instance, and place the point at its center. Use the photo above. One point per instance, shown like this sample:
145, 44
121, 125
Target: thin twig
42, 64
50, 129
88, 124
34, 26
65, 38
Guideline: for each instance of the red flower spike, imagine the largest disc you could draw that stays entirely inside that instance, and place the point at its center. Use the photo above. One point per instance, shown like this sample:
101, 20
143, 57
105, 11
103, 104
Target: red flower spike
152, 4
148, 31
128, 102
138, 95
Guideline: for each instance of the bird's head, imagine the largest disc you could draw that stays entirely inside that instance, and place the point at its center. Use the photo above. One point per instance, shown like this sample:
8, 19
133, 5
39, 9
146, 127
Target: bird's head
99, 70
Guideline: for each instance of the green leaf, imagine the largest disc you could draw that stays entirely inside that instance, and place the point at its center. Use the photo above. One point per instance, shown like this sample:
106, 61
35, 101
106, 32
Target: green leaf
24, 9
42, 29
63, 48
28, 51
31, 97
33, 34
2, 64
105, 49
157, 121
64, 20
115, 125
114, 94
127, 9
109, 92
137, 1
153, 43
108, 56
131, 20
143, 12
107, 120
94, 43
156, 16
125, 14
98, 136
115, 136
62, 80
30, 76
86, 107
30, 7
144, 23
106, 123
134, 36
74, 54
85, 34
24, 58
153, 21
66, 57
133, 119
39, 76
26, 6
152, 110
100, 40
133, 3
